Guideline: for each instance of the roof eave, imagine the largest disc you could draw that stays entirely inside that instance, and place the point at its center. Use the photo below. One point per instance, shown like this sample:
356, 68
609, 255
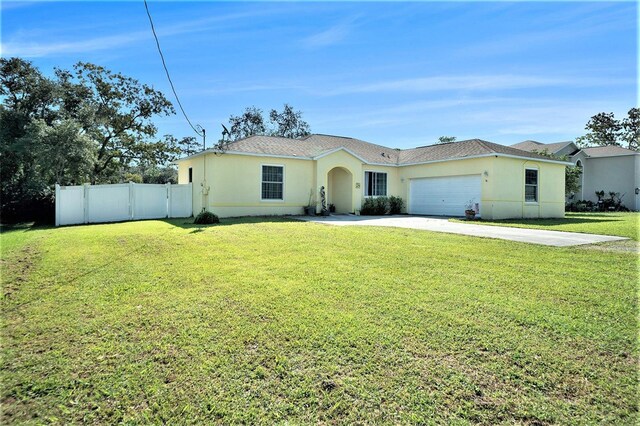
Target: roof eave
252, 154
493, 154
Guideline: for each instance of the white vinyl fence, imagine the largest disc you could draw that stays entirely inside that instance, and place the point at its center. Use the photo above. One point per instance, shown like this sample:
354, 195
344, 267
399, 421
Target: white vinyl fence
125, 201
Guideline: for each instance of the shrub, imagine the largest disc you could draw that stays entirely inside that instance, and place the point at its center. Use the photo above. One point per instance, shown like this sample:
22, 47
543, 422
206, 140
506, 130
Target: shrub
206, 218
368, 207
382, 205
375, 206
395, 205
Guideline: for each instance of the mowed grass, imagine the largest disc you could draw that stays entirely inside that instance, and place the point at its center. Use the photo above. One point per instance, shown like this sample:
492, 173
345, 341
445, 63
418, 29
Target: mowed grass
272, 321
619, 224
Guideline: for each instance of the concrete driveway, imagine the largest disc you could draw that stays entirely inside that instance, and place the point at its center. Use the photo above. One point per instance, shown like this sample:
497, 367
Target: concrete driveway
442, 224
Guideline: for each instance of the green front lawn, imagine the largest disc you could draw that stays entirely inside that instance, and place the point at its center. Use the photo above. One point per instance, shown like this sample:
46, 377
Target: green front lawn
269, 321
620, 224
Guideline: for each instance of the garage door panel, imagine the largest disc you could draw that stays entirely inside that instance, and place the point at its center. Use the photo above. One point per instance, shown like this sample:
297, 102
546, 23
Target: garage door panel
443, 196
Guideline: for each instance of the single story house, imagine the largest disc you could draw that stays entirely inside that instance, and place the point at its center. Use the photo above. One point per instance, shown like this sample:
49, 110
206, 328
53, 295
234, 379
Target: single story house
265, 175
604, 168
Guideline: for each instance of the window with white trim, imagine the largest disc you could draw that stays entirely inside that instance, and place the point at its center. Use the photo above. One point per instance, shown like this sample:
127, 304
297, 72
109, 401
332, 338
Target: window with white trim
375, 184
273, 182
531, 185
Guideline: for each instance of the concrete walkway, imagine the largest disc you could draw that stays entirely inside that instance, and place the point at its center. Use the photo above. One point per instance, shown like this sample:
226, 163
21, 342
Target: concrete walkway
442, 224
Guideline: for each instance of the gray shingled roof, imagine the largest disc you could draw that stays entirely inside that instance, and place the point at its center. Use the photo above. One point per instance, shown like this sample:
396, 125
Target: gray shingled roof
539, 146
314, 145
607, 151
317, 144
462, 149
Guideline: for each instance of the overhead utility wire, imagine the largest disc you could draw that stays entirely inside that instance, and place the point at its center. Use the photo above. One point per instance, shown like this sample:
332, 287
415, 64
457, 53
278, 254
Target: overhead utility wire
200, 132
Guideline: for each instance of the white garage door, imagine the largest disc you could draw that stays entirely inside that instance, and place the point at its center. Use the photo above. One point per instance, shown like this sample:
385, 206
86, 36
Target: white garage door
443, 196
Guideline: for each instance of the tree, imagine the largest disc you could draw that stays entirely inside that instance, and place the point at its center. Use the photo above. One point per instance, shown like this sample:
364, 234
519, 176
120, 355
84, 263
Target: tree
116, 112
26, 96
446, 139
572, 180
87, 124
603, 129
631, 129
249, 123
63, 153
572, 174
189, 145
152, 173
288, 123
26, 91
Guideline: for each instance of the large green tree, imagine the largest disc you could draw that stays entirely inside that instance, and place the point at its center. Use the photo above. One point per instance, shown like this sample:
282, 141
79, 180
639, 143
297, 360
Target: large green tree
249, 123
115, 111
87, 124
604, 129
26, 96
287, 123
631, 129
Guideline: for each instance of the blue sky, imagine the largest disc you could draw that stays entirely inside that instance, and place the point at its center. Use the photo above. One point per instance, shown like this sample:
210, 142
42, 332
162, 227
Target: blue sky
398, 74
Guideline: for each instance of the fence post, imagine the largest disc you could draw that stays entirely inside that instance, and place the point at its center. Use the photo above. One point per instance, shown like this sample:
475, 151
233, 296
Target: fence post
85, 201
57, 201
191, 198
168, 186
132, 199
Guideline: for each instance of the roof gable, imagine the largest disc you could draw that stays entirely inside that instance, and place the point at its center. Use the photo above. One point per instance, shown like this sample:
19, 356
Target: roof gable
532, 146
343, 149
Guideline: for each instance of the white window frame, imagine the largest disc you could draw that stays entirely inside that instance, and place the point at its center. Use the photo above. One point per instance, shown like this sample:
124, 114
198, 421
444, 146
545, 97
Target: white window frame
272, 200
364, 184
537, 185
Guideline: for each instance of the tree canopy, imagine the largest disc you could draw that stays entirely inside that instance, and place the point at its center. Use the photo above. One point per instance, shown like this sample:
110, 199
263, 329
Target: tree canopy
604, 129
287, 123
87, 124
446, 139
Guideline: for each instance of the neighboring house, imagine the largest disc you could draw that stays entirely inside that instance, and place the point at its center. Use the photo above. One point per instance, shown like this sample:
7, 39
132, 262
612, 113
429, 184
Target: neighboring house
604, 168
264, 175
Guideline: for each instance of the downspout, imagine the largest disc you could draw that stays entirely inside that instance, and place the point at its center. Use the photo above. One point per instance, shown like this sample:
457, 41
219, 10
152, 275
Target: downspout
205, 187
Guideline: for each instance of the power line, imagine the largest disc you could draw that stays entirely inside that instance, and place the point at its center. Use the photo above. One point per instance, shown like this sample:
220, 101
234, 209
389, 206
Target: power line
200, 132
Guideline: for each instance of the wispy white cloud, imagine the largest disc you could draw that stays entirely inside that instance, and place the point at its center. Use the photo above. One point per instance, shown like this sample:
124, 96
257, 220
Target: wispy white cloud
570, 26
328, 37
399, 114
506, 119
442, 83
331, 36
472, 83
23, 45
10, 5
31, 49
541, 116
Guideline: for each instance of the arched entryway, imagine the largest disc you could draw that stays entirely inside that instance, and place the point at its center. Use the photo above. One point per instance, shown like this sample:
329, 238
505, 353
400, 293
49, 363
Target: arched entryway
340, 189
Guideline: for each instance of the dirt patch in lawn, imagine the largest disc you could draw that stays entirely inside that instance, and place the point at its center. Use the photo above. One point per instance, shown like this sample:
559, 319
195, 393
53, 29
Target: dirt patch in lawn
625, 246
16, 269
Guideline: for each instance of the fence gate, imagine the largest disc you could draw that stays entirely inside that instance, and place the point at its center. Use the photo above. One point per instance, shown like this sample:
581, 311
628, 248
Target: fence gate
119, 202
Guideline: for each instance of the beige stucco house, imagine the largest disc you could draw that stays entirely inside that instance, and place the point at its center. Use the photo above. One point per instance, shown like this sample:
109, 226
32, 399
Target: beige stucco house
264, 175
604, 168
